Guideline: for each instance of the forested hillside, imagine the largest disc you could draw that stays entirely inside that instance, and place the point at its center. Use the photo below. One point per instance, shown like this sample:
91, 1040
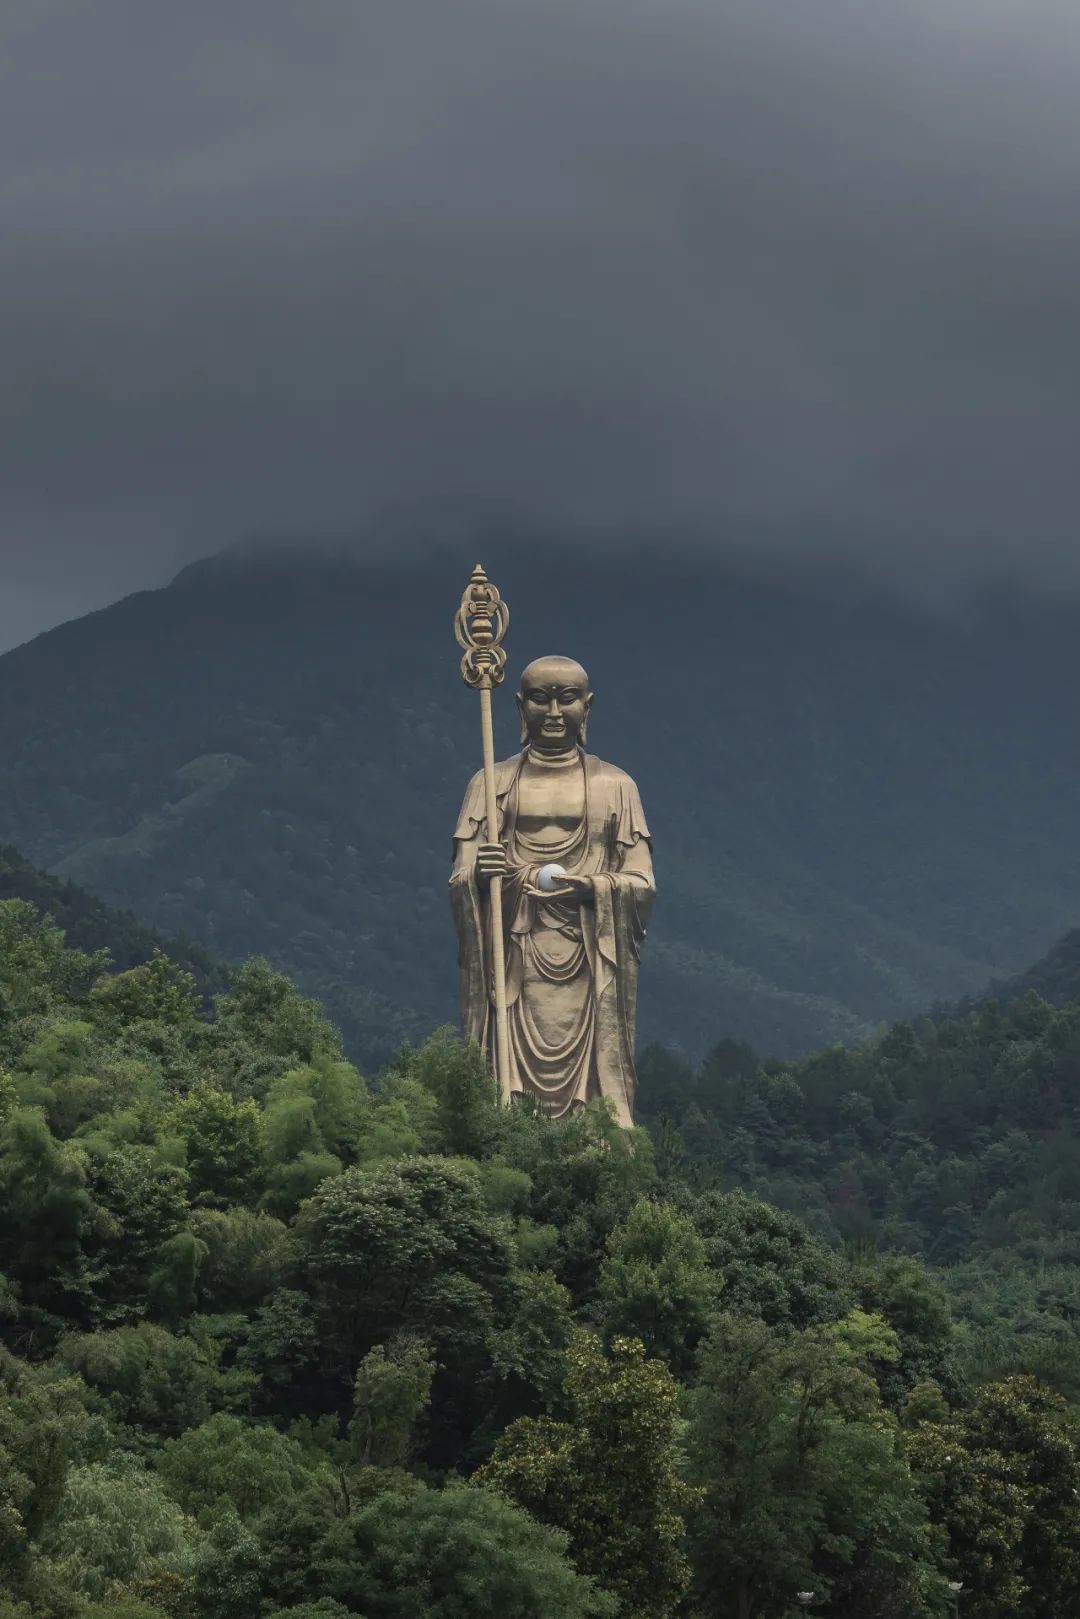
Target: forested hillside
1055, 978
89, 925
281, 1342
858, 808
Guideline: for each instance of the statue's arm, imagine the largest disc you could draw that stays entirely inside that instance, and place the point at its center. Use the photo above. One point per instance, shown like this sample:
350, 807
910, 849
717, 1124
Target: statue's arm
636, 865
475, 858
465, 850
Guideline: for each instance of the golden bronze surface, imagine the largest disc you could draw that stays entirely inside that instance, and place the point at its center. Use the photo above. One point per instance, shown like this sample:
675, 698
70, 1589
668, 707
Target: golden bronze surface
568, 954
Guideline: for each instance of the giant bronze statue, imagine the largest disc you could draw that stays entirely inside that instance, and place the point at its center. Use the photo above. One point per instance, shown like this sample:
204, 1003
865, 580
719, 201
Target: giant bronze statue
557, 895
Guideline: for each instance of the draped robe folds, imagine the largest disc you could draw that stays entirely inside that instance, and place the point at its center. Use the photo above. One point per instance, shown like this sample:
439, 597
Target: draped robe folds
571, 968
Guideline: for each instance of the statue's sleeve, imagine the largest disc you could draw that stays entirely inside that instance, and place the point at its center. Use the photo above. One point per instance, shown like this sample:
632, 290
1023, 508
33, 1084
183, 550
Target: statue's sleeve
468, 913
471, 818
623, 902
632, 865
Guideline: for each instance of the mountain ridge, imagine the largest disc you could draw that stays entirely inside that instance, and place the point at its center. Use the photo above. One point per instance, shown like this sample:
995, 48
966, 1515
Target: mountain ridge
822, 868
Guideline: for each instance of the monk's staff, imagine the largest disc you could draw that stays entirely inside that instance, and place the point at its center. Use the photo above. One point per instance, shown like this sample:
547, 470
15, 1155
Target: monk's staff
480, 626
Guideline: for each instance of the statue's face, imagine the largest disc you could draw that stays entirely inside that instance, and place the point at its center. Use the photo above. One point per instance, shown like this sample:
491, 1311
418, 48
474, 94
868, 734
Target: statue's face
554, 701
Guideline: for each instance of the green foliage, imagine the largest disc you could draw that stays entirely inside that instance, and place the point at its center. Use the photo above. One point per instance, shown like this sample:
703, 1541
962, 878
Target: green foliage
245, 1257
322, 1608
656, 1283
114, 1525
952, 1140
456, 1553
608, 1476
531, 1350
36, 971
768, 1263
457, 1075
150, 1377
778, 1422
281, 1343
43, 1426
392, 1390
1004, 1476
585, 1176
48, 1211
410, 1246
228, 1463
264, 1028
223, 1148
289, 1344
92, 929
156, 992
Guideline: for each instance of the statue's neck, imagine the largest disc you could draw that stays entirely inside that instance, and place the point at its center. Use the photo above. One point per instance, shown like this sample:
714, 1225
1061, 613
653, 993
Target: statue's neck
554, 761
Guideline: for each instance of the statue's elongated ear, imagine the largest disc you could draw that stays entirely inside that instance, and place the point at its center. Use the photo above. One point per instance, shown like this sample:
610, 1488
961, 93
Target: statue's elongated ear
585, 721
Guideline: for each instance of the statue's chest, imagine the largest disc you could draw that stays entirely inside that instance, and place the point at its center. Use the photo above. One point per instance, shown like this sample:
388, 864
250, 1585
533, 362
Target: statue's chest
550, 798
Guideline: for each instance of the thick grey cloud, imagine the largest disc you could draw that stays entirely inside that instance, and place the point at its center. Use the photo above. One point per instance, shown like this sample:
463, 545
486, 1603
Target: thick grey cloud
807, 269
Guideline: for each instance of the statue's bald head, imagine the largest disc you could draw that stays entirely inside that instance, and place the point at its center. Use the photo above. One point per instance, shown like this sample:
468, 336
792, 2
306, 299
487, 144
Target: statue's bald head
554, 701
553, 669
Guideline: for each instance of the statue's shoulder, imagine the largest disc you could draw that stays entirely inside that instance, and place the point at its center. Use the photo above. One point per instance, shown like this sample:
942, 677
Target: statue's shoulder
505, 771
608, 775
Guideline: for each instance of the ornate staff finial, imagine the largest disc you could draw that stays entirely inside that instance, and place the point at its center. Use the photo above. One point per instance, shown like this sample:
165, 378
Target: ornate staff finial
480, 626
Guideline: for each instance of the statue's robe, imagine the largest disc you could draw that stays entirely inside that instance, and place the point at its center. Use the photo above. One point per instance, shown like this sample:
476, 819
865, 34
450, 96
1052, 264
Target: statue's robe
571, 968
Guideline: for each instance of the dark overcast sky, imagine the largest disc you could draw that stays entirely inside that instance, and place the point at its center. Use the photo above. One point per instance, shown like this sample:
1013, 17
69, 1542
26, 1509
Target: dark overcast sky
807, 268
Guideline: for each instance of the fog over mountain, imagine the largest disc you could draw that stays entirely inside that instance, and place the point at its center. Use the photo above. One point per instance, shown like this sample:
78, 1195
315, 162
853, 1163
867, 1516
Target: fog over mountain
786, 276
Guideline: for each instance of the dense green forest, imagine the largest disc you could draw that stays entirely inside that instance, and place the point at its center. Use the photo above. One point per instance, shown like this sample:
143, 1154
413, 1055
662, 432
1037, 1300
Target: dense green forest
858, 807
280, 1340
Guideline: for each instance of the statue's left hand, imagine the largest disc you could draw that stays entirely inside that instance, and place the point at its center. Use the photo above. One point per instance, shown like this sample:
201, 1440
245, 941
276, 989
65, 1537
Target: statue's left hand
572, 887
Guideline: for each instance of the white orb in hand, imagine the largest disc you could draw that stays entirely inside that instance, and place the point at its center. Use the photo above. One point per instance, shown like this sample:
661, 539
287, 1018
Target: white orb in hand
547, 877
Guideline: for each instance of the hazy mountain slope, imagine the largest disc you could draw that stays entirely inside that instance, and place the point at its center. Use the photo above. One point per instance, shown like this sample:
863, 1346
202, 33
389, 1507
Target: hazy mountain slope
1056, 977
857, 809
90, 925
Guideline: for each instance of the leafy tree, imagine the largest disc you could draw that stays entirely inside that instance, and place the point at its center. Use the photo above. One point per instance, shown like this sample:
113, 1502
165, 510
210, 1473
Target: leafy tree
156, 992
608, 1476
44, 1425
222, 1145
778, 1421
114, 1525
264, 1027
37, 972
140, 1205
586, 1175
150, 1377
339, 1107
226, 1463
456, 1553
231, 1571
457, 1074
172, 1287
321, 1608
530, 1352
282, 1344
771, 1266
408, 1247
245, 1259
1004, 1476
915, 1304
656, 1283
48, 1212
391, 1392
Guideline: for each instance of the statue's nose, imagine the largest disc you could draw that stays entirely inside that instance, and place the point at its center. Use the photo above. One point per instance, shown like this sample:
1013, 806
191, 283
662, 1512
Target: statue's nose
553, 708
